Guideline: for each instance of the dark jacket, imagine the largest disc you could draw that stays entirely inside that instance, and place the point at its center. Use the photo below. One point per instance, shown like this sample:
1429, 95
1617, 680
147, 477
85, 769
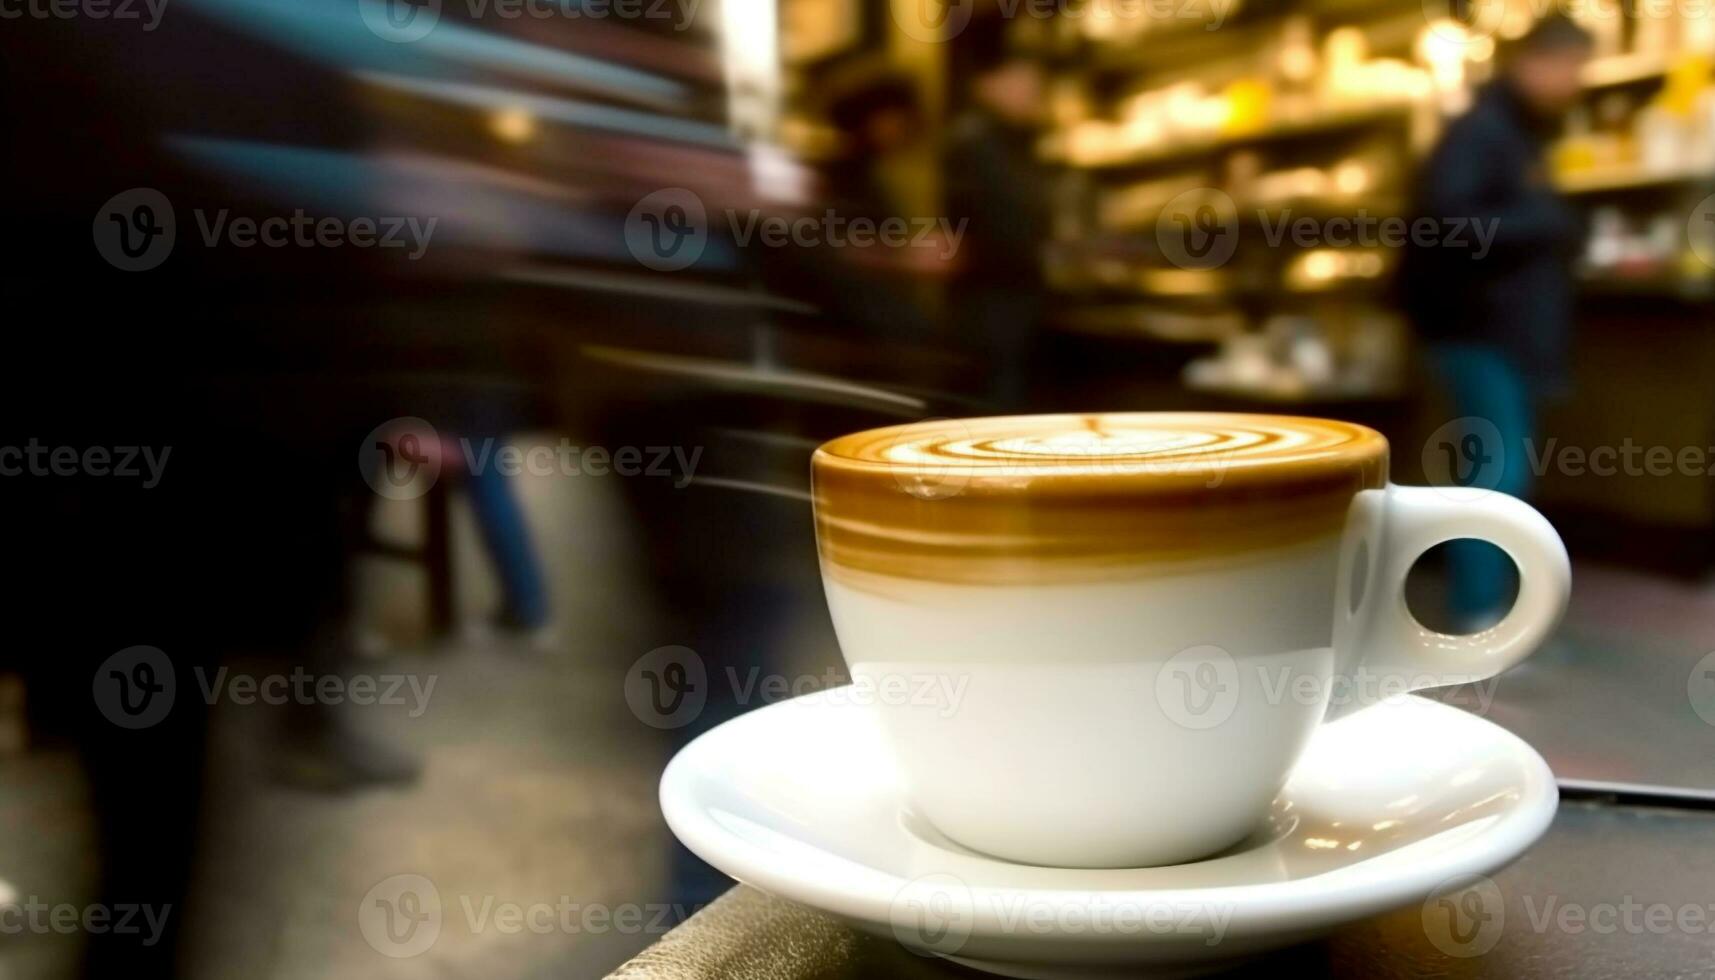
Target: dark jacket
994, 182
1488, 175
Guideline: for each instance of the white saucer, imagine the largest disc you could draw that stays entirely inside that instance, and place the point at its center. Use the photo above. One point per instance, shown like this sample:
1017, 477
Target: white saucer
801, 800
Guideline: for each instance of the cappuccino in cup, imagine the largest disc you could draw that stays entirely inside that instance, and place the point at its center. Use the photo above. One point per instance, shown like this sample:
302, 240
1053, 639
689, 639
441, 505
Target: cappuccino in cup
1145, 615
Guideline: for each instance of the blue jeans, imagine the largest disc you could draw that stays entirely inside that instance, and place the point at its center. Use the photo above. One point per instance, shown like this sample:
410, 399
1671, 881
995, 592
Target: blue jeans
500, 518
1485, 385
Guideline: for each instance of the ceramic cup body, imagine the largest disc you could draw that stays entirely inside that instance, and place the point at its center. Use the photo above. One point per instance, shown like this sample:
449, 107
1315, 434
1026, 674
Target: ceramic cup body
1095, 641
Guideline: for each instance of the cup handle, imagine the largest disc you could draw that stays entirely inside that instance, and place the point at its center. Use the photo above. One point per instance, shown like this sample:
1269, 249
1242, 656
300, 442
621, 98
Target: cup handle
1378, 640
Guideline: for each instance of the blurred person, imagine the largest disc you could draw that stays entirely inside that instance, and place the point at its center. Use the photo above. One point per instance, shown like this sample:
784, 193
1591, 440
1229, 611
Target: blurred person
994, 183
877, 112
186, 569
525, 612
1498, 318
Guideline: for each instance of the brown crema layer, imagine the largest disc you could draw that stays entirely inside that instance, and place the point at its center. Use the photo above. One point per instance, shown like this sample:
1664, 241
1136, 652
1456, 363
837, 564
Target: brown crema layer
1048, 498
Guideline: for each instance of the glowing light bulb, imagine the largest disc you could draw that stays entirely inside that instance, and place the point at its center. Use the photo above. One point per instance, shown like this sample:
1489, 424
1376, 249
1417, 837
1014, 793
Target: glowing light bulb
513, 125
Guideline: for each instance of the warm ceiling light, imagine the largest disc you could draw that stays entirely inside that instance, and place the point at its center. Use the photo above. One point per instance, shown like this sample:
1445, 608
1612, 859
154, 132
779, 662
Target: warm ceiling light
513, 125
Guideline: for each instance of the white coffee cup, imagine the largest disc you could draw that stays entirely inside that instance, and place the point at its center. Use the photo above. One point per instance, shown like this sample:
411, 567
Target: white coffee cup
1103, 640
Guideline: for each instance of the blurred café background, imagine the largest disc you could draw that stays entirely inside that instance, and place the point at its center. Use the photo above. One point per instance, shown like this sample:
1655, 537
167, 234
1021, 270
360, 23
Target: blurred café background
462, 359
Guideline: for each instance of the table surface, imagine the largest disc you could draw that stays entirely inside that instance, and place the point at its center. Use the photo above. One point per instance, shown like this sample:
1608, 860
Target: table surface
1611, 890
1609, 710
1575, 905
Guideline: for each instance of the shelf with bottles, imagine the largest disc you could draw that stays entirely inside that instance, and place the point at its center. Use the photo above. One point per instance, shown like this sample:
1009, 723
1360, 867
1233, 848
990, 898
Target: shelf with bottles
1290, 277
1637, 43
1630, 68
1132, 319
1084, 149
1099, 277
1137, 39
1639, 159
1631, 177
1626, 140
1250, 188
1313, 117
1665, 287
1293, 78
1632, 254
1336, 353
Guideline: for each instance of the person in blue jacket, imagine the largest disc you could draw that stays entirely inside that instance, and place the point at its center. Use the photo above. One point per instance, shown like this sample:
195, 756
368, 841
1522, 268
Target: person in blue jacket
1491, 293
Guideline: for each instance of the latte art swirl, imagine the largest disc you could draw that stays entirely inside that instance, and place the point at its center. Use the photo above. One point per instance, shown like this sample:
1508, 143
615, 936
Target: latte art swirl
1063, 445
972, 499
